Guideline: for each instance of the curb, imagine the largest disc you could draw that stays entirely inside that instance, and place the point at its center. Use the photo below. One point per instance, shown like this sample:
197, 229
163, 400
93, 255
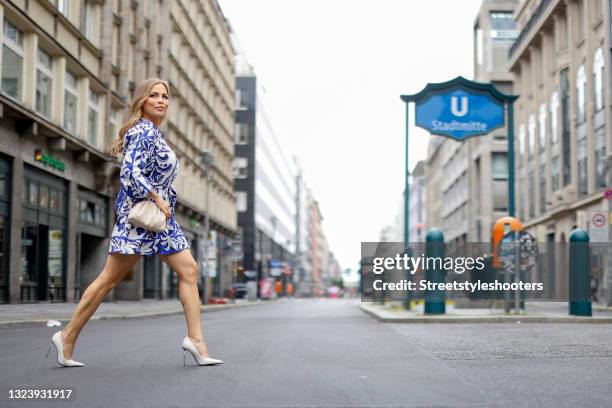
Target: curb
449, 319
203, 309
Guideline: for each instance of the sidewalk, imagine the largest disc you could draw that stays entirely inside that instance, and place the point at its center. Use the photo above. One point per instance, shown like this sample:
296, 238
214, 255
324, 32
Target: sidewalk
35, 314
536, 312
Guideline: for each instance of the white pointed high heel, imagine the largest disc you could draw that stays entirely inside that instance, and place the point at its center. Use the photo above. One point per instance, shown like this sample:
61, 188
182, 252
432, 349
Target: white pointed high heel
56, 341
188, 346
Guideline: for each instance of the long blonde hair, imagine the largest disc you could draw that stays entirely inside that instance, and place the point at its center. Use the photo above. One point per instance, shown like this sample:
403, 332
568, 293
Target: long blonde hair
141, 94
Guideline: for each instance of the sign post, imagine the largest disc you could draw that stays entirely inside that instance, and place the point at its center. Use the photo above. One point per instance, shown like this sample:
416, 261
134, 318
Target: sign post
460, 109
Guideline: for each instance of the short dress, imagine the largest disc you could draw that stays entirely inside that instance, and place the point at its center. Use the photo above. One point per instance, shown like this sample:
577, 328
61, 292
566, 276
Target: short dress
148, 164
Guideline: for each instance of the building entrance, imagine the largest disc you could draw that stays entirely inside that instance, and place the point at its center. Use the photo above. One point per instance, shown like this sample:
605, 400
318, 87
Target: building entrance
43, 237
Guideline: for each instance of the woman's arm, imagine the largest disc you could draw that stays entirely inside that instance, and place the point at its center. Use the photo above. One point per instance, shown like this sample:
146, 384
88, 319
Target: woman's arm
139, 155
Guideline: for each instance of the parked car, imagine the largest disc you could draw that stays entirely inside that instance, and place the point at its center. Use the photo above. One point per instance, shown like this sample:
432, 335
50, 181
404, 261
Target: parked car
236, 291
334, 292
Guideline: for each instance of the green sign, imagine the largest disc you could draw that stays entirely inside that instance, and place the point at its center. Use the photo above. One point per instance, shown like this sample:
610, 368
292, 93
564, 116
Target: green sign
49, 160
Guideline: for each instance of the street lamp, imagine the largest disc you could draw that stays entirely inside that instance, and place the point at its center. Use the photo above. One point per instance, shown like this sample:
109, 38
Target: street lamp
208, 160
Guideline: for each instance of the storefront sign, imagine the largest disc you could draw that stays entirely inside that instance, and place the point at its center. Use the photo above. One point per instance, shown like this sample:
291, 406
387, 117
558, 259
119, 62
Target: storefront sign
48, 160
275, 268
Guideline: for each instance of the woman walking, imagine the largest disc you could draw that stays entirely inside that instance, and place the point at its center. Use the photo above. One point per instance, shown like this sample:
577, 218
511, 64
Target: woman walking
148, 170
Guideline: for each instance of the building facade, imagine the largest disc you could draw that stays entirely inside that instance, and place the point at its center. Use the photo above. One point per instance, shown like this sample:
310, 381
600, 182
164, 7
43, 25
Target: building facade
560, 62
68, 72
416, 210
265, 191
473, 174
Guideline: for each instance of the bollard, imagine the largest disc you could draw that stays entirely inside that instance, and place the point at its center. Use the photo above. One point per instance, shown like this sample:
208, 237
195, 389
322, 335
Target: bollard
579, 274
434, 247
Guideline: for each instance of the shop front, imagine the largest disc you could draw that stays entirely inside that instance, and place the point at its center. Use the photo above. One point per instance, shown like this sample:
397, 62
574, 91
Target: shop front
43, 237
91, 238
5, 188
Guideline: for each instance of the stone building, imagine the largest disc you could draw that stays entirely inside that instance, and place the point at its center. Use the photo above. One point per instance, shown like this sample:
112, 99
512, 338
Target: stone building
68, 72
560, 63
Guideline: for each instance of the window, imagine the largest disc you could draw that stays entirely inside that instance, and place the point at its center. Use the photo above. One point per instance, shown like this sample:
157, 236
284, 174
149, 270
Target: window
521, 142
531, 136
242, 96
86, 19
12, 61
92, 117
554, 118
240, 167
532, 198
63, 7
114, 121
598, 76
565, 127
580, 19
502, 20
499, 166
500, 195
600, 155
582, 167
44, 83
522, 198
43, 197
580, 95
241, 201
554, 173
542, 188
479, 45
242, 133
70, 103
542, 128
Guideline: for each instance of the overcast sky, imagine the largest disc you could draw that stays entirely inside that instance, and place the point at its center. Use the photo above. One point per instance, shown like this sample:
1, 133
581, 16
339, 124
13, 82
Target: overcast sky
333, 71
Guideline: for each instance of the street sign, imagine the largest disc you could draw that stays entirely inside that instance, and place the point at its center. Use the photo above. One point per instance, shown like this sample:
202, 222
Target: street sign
459, 113
598, 227
275, 268
460, 109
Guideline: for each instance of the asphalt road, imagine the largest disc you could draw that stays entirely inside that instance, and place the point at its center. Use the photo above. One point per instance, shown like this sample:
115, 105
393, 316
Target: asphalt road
317, 353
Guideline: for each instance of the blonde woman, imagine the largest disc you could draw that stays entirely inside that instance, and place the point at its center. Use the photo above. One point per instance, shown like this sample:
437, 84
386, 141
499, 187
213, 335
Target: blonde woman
148, 170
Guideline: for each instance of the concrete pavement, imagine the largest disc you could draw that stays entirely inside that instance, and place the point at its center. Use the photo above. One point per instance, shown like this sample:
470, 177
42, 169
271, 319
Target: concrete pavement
36, 314
316, 353
535, 312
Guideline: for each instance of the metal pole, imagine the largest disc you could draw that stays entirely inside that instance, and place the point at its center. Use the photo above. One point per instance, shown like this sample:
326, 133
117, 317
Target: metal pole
207, 161
407, 203
517, 272
511, 210
206, 234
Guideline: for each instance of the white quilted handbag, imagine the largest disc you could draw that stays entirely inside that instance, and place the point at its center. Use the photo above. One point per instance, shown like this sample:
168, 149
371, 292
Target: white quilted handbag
146, 214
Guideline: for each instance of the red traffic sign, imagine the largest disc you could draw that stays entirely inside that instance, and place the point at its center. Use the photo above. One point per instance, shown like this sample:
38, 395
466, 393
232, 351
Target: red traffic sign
608, 194
598, 220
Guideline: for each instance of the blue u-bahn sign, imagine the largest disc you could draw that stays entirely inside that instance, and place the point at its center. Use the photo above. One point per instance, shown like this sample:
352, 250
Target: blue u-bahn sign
459, 108
459, 113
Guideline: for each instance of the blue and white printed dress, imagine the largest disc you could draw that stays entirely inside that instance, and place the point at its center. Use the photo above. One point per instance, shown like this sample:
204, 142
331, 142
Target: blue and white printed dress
148, 164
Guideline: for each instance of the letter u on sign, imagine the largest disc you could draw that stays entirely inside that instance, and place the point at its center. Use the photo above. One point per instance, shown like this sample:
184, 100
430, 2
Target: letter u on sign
464, 106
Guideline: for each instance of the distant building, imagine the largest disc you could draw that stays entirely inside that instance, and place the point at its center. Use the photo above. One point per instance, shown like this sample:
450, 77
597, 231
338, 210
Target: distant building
265, 190
417, 207
470, 179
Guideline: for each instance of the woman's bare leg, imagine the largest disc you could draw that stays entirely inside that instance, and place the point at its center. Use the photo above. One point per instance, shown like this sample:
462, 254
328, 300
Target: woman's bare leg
116, 267
187, 270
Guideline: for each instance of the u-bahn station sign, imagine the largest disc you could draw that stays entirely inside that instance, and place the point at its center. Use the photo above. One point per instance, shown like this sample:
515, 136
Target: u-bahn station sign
458, 108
